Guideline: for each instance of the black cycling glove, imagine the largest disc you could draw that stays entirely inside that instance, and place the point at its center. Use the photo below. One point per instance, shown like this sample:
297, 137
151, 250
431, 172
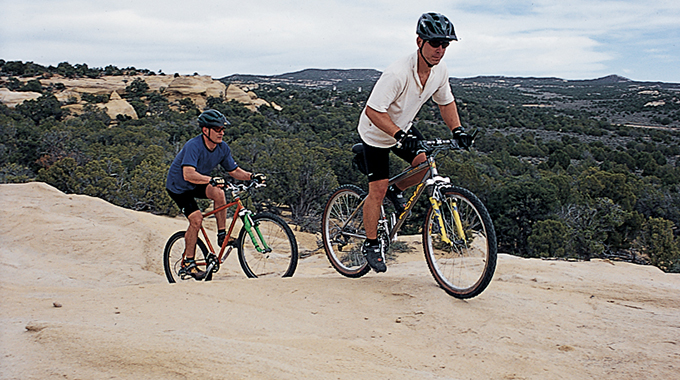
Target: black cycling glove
464, 139
406, 141
258, 177
216, 181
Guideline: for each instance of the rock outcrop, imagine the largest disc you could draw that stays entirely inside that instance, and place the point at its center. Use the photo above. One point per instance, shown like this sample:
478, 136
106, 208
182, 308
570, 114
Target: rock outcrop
242, 95
175, 88
119, 106
12, 98
114, 107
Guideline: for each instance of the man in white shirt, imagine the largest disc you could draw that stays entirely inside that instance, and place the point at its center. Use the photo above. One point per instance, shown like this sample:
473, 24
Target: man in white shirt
385, 123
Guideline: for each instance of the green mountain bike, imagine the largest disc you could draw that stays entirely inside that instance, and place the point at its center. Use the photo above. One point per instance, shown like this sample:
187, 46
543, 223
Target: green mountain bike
266, 245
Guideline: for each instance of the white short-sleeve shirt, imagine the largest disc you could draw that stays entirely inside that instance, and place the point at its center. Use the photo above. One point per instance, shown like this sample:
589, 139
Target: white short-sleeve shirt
400, 93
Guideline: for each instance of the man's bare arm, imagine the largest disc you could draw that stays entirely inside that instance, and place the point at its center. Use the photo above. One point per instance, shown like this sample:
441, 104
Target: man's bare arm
449, 113
382, 120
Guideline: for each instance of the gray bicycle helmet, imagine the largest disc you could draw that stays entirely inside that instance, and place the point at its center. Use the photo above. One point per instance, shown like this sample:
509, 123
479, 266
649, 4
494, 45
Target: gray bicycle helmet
435, 26
211, 119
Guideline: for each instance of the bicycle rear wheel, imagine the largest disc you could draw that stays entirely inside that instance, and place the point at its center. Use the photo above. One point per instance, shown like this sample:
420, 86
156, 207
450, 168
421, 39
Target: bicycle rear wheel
174, 253
463, 267
280, 260
343, 231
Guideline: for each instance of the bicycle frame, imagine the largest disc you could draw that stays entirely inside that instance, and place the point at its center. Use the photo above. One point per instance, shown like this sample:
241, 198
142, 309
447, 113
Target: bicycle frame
244, 215
431, 178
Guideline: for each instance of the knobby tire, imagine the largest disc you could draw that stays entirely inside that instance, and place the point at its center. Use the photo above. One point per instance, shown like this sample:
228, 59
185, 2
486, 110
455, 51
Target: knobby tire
173, 254
281, 261
465, 268
343, 245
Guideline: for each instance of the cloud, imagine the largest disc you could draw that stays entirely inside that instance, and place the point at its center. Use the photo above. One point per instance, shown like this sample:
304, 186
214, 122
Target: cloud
573, 39
570, 39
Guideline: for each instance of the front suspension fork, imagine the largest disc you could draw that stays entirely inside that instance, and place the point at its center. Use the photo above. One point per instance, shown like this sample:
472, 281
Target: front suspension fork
250, 227
436, 203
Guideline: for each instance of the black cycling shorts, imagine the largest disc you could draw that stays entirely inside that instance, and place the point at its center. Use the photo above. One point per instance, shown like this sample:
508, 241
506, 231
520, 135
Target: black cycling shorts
378, 159
187, 201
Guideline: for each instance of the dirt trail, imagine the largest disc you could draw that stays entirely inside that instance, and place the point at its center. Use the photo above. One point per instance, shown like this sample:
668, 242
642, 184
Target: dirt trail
119, 318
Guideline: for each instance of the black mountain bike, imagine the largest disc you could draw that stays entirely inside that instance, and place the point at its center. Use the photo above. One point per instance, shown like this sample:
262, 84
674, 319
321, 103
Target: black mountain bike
459, 239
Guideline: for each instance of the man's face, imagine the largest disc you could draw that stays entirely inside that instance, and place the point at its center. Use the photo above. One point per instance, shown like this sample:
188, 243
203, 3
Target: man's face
215, 133
433, 50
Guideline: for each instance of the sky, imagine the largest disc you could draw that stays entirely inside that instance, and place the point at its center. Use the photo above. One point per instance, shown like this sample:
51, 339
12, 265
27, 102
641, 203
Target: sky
581, 39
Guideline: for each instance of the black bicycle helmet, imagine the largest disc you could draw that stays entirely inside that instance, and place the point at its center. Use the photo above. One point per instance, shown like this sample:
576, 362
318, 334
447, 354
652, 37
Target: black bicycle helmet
435, 26
211, 119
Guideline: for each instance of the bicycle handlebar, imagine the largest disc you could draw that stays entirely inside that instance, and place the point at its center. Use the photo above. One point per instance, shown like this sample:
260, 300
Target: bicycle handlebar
438, 145
237, 188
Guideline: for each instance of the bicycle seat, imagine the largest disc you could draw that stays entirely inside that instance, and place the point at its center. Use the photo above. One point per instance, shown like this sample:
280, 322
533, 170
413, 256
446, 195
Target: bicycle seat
358, 161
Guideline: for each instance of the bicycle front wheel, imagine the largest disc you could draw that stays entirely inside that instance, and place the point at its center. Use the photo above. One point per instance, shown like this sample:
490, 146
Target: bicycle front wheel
277, 255
174, 253
343, 231
462, 265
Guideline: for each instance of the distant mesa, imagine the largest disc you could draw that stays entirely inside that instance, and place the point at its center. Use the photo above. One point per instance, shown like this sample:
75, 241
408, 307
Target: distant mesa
609, 79
313, 78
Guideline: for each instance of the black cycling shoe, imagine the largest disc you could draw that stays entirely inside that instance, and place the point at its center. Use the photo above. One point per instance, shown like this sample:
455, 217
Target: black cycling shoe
220, 237
396, 196
374, 255
190, 269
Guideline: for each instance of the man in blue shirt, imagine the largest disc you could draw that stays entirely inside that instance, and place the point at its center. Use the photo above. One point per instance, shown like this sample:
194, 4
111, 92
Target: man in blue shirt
189, 178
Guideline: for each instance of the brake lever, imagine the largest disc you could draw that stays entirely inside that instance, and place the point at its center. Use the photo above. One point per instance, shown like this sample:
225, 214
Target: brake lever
422, 147
473, 138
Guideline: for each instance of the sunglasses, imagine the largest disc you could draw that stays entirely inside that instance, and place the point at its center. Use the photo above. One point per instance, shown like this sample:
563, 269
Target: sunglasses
438, 43
218, 129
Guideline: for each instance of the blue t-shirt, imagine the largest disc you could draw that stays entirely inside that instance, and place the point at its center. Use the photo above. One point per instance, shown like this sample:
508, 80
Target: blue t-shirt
196, 154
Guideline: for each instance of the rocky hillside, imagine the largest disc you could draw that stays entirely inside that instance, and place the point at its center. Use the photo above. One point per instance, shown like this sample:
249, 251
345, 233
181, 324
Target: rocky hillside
611, 99
116, 316
75, 93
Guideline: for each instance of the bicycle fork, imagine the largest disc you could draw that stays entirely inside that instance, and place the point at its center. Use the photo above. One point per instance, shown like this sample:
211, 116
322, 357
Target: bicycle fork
436, 202
250, 226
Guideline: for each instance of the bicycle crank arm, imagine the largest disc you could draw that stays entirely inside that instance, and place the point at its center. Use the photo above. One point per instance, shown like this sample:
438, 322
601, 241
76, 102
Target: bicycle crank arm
358, 236
208, 271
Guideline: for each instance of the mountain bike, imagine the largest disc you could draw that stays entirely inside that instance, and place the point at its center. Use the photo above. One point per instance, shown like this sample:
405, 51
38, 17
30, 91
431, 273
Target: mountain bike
266, 245
459, 240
